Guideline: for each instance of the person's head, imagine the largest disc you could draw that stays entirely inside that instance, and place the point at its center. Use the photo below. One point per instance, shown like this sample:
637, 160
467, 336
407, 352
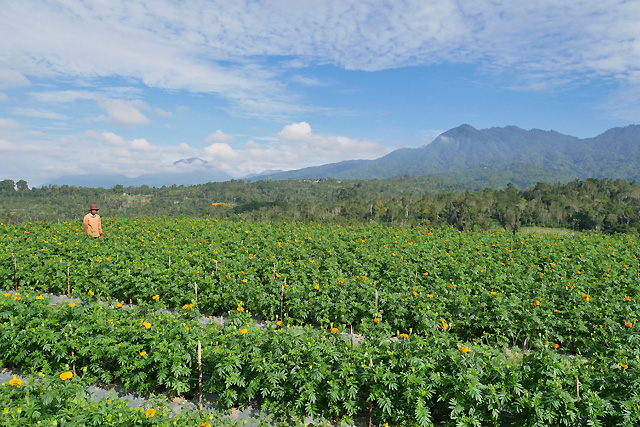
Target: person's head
93, 209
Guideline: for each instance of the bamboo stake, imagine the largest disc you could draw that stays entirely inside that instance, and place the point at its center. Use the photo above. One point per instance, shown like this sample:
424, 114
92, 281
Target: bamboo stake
282, 299
15, 272
195, 285
169, 261
577, 387
73, 356
68, 282
200, 374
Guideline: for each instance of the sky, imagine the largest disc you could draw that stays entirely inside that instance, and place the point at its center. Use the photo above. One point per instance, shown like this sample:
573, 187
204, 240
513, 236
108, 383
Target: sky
244, 86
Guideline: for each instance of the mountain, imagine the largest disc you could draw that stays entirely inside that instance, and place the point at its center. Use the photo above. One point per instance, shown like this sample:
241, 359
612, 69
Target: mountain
496, 156
152, 180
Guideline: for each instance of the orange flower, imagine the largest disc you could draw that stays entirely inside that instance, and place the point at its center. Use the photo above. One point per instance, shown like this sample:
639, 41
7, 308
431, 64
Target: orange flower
415, 293
536, 303
119, 305
150, 412
555, 345
622, 365
143, 353
404, 335
279, 322
15, 381
464, 350
240, 308
628, 324
146, 325
17, 298
243, 331
494, 293
430, 296
316, 287
377, 319
444, 325
334, 330
66, 375
627, 299
72, 304
90, 293
156, 297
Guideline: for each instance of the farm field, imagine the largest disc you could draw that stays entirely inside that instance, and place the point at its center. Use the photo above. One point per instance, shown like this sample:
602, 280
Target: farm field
411, 326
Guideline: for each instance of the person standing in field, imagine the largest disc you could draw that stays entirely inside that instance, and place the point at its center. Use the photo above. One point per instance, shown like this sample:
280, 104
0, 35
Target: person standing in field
92, 223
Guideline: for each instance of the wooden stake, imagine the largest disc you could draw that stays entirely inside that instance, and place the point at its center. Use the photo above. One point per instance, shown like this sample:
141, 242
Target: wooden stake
376, 300
195, 285
68, 282
15, 272
169, 261
577, 387
200, 374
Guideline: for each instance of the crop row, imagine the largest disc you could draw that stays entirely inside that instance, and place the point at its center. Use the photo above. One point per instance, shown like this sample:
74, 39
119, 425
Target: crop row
398, 378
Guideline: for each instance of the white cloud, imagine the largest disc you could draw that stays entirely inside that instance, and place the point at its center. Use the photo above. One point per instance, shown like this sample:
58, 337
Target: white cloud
40, 114
221, 151
219, 136
124, 113
141, 145
8, 125
12, 78
5, 145
219, 46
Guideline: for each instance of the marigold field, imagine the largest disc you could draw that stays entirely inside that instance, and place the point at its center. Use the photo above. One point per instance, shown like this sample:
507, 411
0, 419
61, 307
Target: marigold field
408, 326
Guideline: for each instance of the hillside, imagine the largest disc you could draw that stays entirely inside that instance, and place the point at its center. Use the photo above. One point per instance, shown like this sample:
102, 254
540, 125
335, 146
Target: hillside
496, 156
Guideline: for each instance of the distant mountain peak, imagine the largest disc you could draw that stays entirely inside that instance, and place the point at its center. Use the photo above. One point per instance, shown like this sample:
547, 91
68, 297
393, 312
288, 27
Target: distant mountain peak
191, 161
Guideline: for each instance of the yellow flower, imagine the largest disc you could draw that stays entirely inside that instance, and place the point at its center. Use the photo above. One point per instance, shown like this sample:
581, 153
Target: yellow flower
119, 305
143, 353
146, 325
334, 330
39, 298
150, 412
464, 350
156, 297
243, 331
240, 308
205, 424
244, 280
186, 327
90, 293
404, 335
316, 287
7, 294
72, 304
66, 375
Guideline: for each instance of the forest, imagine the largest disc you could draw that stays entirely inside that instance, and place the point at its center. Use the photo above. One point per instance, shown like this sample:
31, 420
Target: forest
604, 205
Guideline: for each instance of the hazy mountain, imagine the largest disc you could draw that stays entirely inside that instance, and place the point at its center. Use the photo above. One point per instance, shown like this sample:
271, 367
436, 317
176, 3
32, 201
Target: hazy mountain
497, 156
200, 176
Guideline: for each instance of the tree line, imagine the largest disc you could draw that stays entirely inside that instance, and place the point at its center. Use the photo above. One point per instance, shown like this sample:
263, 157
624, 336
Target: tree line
606, 205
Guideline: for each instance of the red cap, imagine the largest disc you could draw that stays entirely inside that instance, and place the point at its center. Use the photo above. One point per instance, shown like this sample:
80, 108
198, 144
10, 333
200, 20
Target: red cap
92, 207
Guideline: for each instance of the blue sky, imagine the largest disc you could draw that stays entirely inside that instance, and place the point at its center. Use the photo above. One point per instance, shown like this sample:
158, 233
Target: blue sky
131, 87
